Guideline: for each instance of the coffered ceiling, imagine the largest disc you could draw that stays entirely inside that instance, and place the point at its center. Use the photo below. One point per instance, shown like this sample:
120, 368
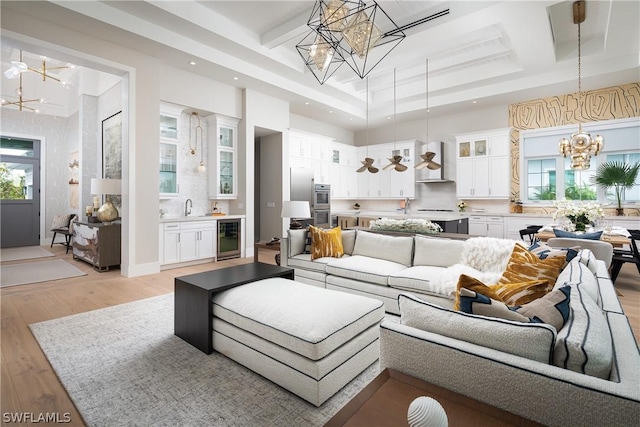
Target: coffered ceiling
481, 53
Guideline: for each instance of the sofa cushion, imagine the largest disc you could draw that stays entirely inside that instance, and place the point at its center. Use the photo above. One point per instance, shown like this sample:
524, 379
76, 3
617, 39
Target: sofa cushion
297, 241
325, 243
589, 259
524, 266
364, 268
487, 253
348, 241
304, 261
584, 343
397, 249
437, 251
509, 293
589, 236
552, 309
436, 280
534, 341
576, 273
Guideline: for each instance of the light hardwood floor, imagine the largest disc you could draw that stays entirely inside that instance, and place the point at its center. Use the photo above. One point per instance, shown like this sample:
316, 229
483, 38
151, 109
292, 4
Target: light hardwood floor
29, 384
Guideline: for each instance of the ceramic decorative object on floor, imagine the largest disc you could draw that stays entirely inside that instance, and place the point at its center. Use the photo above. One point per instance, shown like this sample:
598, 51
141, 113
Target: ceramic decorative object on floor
426, 412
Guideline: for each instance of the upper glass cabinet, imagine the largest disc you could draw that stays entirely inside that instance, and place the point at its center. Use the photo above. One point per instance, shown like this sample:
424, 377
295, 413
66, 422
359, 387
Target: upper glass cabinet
223, 155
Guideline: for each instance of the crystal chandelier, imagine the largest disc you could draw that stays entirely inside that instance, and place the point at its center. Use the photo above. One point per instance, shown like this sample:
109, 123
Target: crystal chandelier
580, 146
18, 68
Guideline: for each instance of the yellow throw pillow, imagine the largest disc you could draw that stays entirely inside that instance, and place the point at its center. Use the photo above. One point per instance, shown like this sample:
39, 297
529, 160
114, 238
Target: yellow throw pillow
523, 292
524, 266
473, 284
326, 243
514, 294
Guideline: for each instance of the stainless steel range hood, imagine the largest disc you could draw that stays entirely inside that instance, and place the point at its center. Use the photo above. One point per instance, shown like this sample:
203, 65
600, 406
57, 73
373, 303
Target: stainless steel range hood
427, 175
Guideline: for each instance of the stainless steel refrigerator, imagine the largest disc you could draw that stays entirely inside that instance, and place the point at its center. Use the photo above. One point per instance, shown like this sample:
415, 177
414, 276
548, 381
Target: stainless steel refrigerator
304, 188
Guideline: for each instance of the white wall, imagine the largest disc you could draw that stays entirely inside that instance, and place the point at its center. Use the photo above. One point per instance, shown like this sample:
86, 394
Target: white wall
321, 128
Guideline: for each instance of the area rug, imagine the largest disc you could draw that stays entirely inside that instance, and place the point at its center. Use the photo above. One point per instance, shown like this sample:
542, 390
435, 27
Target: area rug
23, 252
38, 271
123, 366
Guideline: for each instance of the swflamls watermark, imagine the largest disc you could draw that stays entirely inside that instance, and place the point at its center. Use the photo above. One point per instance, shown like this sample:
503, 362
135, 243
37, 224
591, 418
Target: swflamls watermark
32, 417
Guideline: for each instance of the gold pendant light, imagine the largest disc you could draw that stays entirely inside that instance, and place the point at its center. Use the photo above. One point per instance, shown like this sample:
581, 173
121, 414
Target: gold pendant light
580, 147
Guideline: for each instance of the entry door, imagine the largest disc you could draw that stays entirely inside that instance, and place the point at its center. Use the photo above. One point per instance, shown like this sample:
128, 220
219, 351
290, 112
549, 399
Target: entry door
20, 192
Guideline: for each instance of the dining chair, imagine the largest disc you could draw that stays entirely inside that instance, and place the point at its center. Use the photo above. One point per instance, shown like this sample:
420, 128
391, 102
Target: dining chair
530, 232
632, 255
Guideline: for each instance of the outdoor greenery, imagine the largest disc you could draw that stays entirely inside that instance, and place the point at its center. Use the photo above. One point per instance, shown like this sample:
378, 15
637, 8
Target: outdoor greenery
616, 175
9, 189
580, 192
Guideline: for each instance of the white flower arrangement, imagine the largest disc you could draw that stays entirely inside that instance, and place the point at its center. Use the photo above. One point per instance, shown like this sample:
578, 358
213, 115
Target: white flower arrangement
592, 211
418, 226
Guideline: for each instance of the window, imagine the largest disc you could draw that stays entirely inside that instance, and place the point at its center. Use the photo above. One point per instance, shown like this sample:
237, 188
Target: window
541, 179
541, 162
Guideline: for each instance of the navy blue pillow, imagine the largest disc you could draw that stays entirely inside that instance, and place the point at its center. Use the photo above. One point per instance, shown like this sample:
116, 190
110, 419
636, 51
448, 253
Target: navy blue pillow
589, 236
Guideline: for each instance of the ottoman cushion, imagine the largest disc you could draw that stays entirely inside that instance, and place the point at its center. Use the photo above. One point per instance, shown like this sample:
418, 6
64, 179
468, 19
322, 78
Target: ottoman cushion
304, 319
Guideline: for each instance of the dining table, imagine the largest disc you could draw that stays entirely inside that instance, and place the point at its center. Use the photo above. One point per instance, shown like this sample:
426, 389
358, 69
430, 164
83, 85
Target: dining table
616, 240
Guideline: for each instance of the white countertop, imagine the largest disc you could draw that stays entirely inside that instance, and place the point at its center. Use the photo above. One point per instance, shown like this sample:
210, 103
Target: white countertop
197, 218
451, 216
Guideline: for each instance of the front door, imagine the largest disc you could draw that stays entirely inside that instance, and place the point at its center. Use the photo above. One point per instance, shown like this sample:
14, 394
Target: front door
20, 192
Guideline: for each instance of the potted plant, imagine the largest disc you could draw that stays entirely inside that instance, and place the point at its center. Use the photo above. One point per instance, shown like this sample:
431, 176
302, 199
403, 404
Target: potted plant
616, 175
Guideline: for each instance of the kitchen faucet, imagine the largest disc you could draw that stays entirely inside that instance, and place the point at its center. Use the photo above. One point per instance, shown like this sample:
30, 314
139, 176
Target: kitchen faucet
187, 207
406, 205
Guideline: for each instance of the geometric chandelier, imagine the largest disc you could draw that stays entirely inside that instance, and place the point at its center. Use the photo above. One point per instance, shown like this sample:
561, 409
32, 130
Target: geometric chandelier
580, 146
346, 31
351, 32
18, 68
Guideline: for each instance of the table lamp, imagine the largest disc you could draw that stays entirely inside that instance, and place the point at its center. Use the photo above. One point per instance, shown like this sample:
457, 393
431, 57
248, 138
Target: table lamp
295, 210
104, 186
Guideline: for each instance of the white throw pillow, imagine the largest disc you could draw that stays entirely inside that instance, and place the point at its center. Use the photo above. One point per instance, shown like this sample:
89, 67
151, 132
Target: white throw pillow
584, 343
576, 272
436, 251
487, 253
391, 248
60, 221
348, 241
535, 341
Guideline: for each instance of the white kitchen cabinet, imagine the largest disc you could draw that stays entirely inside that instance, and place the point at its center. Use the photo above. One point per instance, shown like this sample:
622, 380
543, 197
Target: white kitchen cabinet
311, 151
188, 241
483, 165
169, 149
488, 226
343, 177
388, 184
223, 157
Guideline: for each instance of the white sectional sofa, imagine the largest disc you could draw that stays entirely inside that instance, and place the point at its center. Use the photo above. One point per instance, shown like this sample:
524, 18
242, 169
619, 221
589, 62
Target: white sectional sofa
585, 374
383, 266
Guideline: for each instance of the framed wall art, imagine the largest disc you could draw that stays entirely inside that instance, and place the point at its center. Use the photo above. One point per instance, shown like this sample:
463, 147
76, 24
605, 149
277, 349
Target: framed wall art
112, 150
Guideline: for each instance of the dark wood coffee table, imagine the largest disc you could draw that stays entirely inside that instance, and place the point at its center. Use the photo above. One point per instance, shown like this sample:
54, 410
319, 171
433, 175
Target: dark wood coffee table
385, 401
193, 294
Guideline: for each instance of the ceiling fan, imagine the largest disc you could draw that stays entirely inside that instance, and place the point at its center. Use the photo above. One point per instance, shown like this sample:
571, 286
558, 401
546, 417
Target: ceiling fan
427, 161
427, 158
367, 165
395, 163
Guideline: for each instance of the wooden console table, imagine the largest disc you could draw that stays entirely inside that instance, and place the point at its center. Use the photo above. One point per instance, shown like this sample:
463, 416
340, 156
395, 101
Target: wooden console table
264, 245
385, 401
97, 243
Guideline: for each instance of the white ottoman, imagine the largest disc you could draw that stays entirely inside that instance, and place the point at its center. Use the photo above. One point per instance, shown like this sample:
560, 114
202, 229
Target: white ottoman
309, 340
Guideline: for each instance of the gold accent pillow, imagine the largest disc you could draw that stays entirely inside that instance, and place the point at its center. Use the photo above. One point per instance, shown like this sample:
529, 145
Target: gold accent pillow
515, 294
524, 266
326, 243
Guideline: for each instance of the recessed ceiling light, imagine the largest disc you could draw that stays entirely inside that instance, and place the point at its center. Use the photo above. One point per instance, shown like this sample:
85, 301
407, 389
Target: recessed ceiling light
350, 118
235, 78
192, 63
306, 103
474, 102
330, 111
